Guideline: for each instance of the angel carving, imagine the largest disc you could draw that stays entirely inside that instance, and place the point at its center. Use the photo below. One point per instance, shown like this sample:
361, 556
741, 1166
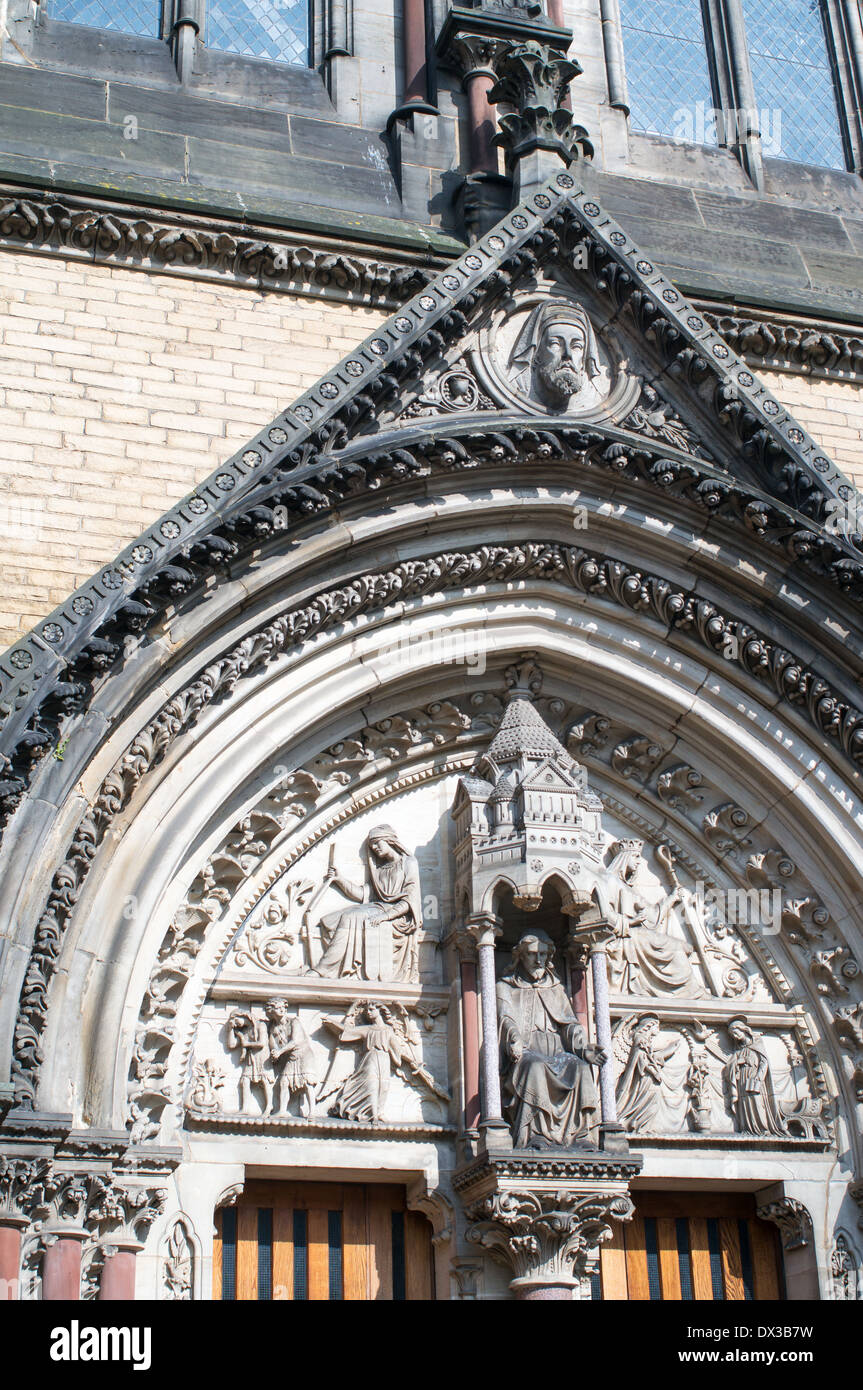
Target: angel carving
641, 1059
387, 1046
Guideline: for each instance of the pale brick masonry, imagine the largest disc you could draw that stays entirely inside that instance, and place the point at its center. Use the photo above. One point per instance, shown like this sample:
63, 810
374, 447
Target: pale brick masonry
119, 391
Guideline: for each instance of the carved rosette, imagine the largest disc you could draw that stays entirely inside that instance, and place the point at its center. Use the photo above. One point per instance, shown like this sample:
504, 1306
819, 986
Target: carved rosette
533, 80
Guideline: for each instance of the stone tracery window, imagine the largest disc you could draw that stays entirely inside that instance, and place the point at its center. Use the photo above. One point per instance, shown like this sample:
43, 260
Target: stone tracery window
666, 66
793, 79
714, 71
142, 17
269, 29
273, 30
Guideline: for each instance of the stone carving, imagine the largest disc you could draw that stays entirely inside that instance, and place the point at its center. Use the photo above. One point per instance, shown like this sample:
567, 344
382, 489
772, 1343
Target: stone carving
826, 350
455, 390
545, 1237
844, 1274
274, 941
248, 1035
377, 941
209, 1081
186, 249
103, 1202
641, 1059
533, 80
386, 1045
792, 1218
178, 1265
294, 1063
643, 957
655, 418
584, 572
750, 1085
546, 1059
554, 354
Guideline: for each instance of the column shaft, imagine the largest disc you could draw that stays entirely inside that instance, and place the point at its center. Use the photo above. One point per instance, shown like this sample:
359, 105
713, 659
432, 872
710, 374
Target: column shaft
483, 154
61, 1269
118, 1277
491, 1106
10, 1258
414, 21
599, 973
470, 1044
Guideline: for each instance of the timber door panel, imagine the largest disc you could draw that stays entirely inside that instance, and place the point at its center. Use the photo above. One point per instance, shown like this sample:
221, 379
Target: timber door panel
692, 1246
322, 1242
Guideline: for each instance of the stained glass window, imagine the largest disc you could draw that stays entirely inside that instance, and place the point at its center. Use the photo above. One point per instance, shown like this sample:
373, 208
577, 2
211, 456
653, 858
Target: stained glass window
274, 29
666, 69
793, 80
125, 16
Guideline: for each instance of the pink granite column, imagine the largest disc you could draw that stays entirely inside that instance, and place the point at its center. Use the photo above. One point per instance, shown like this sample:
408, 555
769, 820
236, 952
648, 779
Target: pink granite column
414, 40
10, 1255
483, 121
470, 1035
61, 1265
117, 1284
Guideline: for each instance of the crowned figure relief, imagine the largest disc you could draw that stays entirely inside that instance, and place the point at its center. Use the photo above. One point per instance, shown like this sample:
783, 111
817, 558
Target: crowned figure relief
546, 1059
644, 957
377, 940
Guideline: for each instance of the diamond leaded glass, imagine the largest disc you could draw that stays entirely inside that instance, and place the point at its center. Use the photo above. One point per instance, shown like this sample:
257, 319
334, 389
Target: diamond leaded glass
274, 29
126, 16
793, 81
666, 69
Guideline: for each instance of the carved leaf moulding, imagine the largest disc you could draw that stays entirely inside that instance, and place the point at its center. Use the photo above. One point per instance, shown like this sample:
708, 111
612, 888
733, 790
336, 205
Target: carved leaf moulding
786, 453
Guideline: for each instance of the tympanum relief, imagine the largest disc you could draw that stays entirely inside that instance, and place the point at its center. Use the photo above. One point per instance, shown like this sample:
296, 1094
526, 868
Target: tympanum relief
377, 940
294, 1063
727, 1079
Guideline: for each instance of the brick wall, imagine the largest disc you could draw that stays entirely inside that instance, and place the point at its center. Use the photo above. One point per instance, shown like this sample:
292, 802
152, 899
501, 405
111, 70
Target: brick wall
120, 391
831, 410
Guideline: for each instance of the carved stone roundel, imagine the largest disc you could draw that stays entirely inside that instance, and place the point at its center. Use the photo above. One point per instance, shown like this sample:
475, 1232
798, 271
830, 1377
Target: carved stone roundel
546, 357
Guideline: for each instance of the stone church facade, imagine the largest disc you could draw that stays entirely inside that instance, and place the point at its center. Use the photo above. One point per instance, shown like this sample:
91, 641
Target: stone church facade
431, 716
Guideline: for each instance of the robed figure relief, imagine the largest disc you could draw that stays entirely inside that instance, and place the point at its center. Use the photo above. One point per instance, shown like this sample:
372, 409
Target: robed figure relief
638, 1090
644, 958
750, 1085
379, 939
546, 1059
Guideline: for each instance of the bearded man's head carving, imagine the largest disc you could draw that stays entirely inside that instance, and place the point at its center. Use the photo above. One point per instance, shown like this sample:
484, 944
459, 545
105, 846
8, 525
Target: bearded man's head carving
555, 353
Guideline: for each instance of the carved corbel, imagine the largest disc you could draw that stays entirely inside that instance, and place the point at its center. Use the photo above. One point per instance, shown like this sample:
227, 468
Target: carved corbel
792, 1218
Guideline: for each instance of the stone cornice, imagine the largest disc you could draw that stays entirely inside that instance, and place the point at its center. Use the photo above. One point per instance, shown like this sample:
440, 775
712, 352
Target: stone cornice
201, 247
791, 343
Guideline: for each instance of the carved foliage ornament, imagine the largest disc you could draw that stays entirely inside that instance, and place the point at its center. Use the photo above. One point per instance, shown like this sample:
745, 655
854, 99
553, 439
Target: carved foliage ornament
545, 1236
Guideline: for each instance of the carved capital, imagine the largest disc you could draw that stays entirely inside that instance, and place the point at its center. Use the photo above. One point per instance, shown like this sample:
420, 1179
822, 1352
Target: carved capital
470, 54
545, 1238
542, 1215
533, 80
484, 928
792, 1218
95, 1203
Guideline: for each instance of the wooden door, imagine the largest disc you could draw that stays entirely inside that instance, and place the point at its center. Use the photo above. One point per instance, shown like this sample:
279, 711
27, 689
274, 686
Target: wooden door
692, 1246
323, 1242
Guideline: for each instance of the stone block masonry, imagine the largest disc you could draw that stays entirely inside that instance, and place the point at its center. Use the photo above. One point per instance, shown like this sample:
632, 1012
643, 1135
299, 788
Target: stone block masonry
118, 393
